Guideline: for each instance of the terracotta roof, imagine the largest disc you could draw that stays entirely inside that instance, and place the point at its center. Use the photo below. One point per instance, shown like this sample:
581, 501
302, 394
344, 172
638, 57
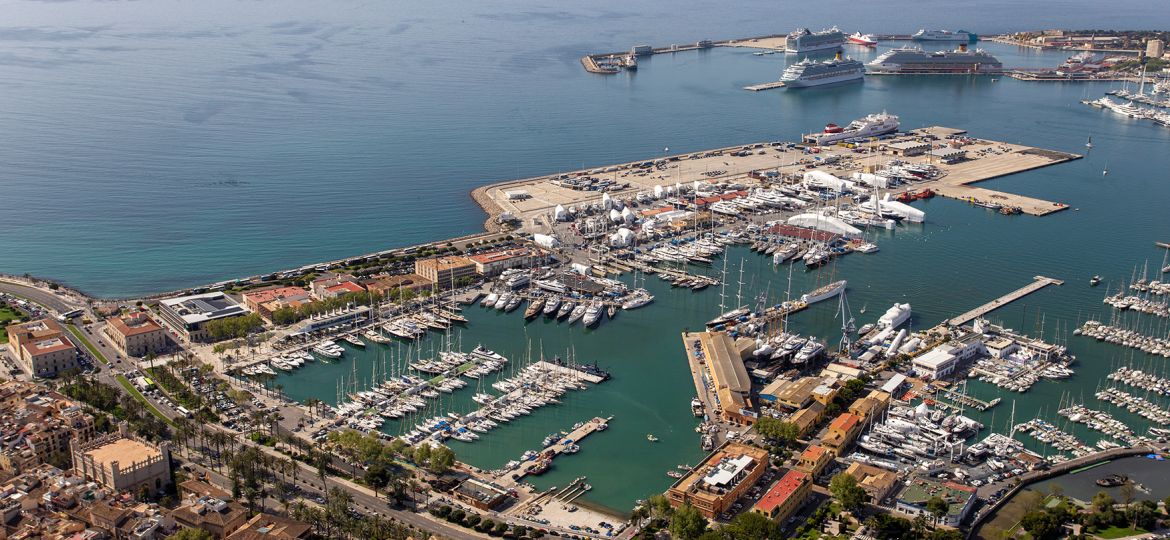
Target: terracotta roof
497, 256
813, 453
344, 287
782, 491
844, 423
46, 346
274, 293
133, 324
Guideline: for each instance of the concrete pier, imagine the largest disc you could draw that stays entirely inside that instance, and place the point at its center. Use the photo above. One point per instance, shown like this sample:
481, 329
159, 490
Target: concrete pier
743, 163
1039, 283
584, 430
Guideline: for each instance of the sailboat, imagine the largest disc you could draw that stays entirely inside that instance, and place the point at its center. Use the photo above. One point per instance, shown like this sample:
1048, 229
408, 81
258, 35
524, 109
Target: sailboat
1106, 171
1089, 143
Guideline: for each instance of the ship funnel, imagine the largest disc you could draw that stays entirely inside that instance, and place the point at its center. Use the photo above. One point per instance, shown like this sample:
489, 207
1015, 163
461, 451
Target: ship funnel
838, 56
962, 47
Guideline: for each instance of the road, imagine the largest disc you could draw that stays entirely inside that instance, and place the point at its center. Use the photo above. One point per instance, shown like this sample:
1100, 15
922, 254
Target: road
39, 296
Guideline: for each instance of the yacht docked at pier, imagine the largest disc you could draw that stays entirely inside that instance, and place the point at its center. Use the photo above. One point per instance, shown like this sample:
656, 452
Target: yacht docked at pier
804, 41
813, 73
870, 126
912, 60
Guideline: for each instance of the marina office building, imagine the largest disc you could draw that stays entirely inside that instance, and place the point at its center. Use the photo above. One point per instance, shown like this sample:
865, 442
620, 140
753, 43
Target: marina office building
940, 362
188, 315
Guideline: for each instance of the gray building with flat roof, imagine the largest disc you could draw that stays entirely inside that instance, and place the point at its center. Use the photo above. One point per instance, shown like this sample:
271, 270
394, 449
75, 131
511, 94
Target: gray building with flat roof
187, 315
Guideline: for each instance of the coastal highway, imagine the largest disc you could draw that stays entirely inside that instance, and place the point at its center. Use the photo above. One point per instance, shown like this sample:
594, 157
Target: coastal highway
37, 295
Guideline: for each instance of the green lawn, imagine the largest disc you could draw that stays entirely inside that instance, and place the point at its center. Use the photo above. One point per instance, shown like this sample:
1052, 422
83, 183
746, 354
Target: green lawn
89, 346
138, 395
1119, 532
7, 315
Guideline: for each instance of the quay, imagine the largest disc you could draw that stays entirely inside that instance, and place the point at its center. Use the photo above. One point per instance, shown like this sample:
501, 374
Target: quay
765, 86
774, 42
1039, 282
968, 400
510, 478
532, 201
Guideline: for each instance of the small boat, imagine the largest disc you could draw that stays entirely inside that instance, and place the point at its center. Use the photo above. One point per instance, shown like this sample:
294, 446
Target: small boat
650, 437
566, 308
1094, 281
534, 308
611, 311
1089, 143
354, 340
674, 474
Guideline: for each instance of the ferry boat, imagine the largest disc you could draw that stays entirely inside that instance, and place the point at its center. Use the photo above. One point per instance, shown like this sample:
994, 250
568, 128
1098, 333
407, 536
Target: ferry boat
914, 60
802, 40
808, 72
857, 38
824, 293
870, 126
944, 35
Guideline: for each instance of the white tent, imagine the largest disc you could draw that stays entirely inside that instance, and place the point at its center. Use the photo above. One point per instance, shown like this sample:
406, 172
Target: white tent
560, 214
824, 223
545, 241
872, 180
909, 213
824, 180
677, 188
623, 237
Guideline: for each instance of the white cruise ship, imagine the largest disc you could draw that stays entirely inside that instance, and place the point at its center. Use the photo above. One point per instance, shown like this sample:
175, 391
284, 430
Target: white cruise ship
812, 73
944, 35
911, 60
870, 126
803, 40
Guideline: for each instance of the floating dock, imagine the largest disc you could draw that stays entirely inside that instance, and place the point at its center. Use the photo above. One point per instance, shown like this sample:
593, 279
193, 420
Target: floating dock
1039, 283
586, 429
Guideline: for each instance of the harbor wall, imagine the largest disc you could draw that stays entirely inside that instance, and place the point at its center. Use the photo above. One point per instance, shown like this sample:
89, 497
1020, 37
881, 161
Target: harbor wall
1027, 479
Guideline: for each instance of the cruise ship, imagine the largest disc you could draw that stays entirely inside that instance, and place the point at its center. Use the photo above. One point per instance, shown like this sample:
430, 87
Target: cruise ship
870, 126
812, 73
944, 35
915, 60
803, 40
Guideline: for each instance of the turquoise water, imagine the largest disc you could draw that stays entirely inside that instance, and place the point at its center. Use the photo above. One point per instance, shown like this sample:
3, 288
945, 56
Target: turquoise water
151, 147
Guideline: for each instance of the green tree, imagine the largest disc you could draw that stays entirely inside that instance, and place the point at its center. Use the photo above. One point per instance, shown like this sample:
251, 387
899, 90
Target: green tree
192, 534
845, 489
887, 527
1041, 525
377, 477
442, 459
751, 526
937, 508
687, 523
1102, 501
